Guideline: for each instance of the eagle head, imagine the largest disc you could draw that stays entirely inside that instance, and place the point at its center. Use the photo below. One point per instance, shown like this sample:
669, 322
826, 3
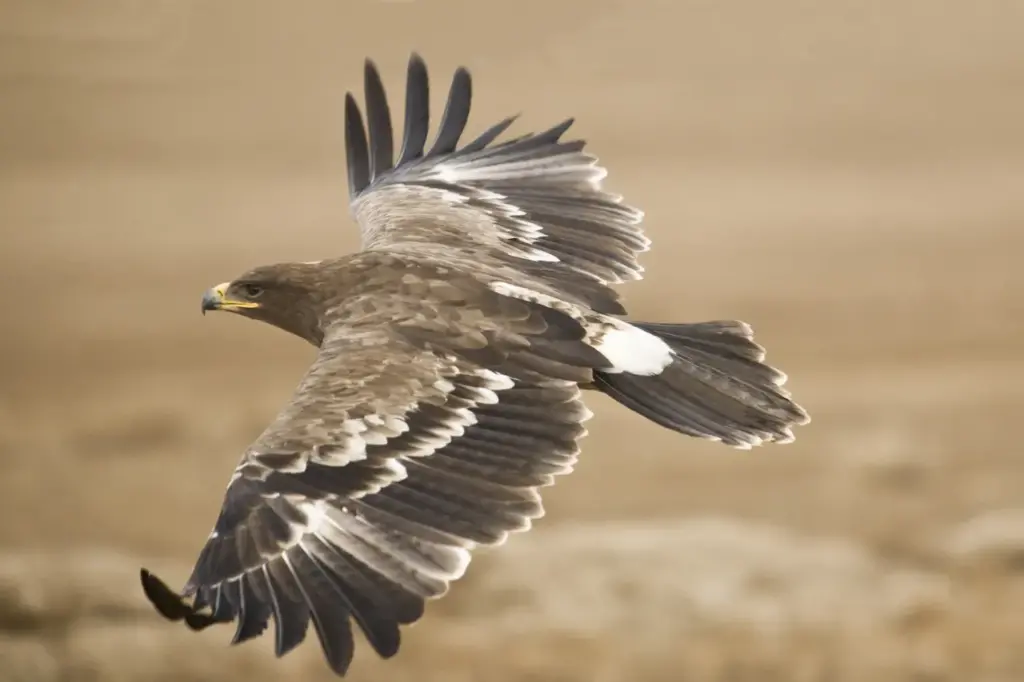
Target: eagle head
288, 296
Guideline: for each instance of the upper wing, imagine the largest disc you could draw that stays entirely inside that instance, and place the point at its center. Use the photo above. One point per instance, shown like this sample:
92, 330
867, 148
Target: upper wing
535, 198
393, 459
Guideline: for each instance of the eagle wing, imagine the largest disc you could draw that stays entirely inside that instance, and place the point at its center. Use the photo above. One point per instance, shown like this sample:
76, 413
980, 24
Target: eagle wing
397, 454
534, 199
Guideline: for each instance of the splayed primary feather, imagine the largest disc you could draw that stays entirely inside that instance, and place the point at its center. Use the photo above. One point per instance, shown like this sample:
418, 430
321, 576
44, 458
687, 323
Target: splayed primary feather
535, 196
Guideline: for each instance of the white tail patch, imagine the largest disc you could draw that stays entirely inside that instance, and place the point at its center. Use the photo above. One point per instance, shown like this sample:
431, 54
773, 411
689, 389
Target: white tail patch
633, 350
628, 348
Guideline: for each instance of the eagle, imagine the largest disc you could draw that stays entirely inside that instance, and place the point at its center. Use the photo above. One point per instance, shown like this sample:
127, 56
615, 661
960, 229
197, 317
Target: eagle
453, 352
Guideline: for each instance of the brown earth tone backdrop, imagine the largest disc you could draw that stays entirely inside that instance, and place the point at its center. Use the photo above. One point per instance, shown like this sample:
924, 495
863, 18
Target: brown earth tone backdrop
847, 176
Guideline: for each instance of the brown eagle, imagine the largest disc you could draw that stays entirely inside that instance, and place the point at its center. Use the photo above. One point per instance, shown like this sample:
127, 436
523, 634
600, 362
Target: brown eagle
453, 348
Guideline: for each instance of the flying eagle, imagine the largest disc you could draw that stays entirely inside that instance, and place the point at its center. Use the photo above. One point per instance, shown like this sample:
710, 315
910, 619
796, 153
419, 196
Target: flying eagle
447, 390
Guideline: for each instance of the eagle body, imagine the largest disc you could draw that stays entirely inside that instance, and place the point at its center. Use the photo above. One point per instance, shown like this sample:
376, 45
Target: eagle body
453, 349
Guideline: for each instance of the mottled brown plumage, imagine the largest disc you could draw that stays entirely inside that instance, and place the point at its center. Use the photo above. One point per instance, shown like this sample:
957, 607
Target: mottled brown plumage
446, 390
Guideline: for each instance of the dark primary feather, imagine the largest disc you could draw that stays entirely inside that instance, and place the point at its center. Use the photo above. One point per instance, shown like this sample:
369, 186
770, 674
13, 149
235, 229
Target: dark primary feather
378, 118
417, 112
456, 114
356, 149
489, 135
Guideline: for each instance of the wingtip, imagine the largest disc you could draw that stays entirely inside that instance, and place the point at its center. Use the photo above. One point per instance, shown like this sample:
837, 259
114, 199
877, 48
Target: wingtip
416, 58
172, 605
416, 66
417, 110
167, 603
370, 73
351, 104
370, 69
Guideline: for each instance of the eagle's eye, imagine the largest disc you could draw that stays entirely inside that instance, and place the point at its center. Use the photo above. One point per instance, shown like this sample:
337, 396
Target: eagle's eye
252, 290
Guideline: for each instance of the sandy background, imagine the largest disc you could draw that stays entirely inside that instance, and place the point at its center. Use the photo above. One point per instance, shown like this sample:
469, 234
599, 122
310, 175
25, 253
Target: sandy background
847, 176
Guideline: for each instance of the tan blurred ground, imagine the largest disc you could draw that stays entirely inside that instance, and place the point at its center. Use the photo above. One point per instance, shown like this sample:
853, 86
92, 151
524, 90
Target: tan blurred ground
847, 176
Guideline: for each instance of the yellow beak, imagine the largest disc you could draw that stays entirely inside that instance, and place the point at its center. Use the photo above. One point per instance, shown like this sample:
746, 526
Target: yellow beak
215, 299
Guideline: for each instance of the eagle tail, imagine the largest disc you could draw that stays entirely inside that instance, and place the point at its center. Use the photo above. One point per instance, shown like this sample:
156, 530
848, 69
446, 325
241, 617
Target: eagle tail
716, 385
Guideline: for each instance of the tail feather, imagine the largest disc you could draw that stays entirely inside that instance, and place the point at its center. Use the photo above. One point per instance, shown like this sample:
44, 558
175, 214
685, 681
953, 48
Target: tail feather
729, 344
717, 386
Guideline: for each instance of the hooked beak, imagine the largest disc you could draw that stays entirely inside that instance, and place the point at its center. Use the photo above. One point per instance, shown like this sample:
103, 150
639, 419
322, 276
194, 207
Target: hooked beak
214, 299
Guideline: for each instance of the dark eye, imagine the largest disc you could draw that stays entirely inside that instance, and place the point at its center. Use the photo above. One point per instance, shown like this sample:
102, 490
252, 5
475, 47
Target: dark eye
252, 290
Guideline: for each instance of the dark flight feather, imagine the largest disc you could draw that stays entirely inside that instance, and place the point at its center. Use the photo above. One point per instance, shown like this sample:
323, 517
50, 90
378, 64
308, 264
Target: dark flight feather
417, 111
508, 183
356, 149
378, 118
455, 116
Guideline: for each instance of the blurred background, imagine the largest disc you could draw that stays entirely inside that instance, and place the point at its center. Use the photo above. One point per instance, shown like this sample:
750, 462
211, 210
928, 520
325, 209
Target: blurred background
847, 176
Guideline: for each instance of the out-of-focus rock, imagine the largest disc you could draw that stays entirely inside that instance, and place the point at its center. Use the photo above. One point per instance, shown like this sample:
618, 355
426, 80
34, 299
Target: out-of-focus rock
993, 540
51, 591
653, 579
887, 454
27, 659
164, 652
645, 600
